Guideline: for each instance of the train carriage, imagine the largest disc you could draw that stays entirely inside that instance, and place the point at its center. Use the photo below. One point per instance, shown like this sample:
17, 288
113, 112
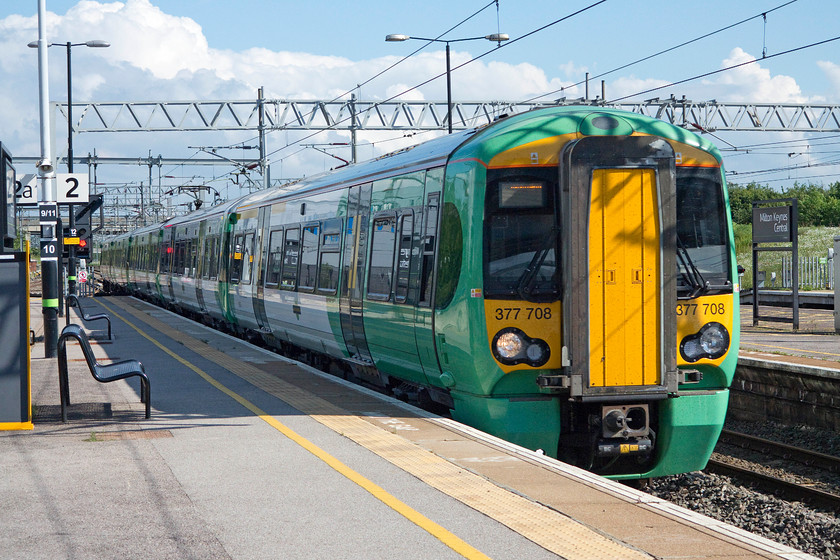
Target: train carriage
563, 278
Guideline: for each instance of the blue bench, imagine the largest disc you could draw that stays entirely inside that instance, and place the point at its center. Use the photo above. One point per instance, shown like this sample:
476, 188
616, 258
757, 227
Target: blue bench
73, 300
104, 373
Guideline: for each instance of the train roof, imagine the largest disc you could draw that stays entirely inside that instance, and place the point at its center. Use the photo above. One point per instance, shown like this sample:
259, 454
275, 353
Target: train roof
481, 142
569, 119
432, 153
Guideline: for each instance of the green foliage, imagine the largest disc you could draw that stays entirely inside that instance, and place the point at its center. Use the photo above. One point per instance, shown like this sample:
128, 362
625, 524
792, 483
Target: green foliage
742, 197
818, 205
743, 238
813, 242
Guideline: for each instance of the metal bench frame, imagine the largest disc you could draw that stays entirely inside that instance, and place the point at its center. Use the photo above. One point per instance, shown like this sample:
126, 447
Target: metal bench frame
104, 373
71, 300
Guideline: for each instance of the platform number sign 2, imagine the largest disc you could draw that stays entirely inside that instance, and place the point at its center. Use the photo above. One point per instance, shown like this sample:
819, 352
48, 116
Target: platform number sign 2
71, 188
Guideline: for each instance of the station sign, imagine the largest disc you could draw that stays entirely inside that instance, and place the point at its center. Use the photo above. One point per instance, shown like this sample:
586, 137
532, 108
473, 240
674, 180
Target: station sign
49, 249
772, 225
48, 212
71, 188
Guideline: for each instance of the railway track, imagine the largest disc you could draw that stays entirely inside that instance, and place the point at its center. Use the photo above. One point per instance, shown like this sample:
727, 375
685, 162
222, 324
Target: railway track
788, 490
828, 463
795, 491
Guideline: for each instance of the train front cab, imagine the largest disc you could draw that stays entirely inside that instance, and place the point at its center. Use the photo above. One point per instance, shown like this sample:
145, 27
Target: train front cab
633, 361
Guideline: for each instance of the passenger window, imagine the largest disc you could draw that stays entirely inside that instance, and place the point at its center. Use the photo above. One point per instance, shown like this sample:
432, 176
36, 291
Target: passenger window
330, 257
429, 240
179, 258
247, 258
192, 247
404, 257
291, 256
214, 258
328, 275
275, 258
236, 260
382, 258
309, 259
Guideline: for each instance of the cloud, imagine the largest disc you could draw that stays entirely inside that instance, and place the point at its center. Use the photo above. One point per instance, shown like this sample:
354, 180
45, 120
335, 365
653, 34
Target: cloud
155, 56
754, 83
832, 72
748, 83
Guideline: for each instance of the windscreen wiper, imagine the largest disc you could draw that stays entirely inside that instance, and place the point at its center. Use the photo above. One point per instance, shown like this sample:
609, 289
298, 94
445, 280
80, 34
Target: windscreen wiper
527, 281
689, 272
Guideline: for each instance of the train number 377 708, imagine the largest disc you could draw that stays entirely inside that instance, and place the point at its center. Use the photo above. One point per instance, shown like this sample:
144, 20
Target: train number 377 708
514, 313
704, 308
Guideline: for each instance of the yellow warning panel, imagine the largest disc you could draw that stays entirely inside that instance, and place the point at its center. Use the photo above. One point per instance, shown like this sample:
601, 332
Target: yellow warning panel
624, 278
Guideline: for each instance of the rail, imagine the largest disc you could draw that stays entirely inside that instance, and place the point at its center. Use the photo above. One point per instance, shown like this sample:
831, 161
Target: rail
790, 490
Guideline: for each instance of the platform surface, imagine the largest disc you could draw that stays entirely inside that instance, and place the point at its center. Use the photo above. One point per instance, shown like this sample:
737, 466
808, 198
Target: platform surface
250, 455
814, 344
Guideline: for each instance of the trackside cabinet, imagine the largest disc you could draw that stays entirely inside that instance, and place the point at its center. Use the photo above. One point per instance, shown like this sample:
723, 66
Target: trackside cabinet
15, 367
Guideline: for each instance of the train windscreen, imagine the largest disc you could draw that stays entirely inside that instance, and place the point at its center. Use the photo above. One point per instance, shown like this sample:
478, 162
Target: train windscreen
701, 231
520, 237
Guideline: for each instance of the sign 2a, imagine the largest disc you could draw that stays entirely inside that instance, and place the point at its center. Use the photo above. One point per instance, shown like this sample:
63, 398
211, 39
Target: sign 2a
71, 188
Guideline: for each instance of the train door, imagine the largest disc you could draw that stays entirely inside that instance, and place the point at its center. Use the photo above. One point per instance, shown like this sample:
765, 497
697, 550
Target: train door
169, 241
242, 272
424, 314
226, 268
619, 214
353, 272
201, 264
260, 258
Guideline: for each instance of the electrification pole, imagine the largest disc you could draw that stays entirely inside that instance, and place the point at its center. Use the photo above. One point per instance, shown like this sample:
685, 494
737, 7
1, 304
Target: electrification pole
71, 257
47, 207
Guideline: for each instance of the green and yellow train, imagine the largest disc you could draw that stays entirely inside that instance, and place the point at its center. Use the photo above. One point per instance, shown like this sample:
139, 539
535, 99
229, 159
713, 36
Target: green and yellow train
564, 279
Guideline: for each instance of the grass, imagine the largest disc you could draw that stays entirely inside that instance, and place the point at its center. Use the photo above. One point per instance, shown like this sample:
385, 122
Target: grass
813, 242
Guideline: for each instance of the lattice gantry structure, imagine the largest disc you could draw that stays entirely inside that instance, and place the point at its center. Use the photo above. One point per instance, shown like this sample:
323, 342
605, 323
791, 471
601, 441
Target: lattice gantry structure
158, 116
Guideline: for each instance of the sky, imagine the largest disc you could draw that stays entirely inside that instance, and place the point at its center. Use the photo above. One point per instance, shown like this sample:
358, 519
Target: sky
177, 50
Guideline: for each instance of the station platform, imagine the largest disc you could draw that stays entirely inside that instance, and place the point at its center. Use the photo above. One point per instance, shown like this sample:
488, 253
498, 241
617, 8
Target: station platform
250, 455
815, 343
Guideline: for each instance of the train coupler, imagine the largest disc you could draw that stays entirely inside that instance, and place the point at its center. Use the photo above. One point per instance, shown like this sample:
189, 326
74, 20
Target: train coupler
554, 382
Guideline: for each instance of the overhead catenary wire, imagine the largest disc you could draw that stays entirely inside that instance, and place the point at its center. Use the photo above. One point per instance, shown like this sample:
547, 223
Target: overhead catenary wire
470, 61
665, 51
699, 76
403, 59
718, 71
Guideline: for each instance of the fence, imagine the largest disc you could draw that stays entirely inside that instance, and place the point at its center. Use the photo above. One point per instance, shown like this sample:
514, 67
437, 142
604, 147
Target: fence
815, 273
86, 288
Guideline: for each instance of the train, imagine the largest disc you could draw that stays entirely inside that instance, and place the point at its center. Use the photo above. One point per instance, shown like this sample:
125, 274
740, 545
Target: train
563, 278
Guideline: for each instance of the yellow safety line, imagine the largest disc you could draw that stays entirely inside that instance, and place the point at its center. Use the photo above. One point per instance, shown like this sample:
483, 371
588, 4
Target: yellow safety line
439, 532
548, 528
800, 350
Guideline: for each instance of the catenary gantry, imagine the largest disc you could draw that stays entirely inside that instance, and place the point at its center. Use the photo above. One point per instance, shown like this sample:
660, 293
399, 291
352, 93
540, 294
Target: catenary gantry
356, 115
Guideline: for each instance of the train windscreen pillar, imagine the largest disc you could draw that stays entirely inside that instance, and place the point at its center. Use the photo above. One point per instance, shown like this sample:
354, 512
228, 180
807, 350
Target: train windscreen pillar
15, 365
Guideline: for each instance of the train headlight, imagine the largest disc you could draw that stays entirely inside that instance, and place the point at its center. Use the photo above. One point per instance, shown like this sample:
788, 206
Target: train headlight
511, 346
711, 343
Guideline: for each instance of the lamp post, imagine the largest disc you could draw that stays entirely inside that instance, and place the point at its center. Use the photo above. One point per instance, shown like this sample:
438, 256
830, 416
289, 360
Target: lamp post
497, 37
71, 260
